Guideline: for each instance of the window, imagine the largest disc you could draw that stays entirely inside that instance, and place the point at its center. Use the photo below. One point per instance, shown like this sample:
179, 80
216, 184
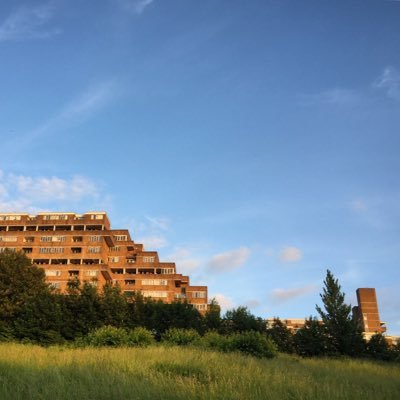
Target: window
199, 295
54, 217
10, 217
200, 307
52, 272
154, 293
55, 285
167, 270
121, 238
77, 239
113, 259
94, 250
148, 259
7, 248
154, 282
8, 238
52, 238
44, 250
96, 216
115, 248
94, 238
29, 239
91, 272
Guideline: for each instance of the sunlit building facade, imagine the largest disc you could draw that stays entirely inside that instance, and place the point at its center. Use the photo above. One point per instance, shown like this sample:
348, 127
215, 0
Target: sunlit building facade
72, 246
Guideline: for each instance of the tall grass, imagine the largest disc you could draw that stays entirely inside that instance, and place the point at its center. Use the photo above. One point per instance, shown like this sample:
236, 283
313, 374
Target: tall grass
157, 372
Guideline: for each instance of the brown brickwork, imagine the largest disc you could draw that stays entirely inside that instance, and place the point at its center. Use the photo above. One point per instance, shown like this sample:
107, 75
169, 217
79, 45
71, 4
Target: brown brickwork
366, 313
69, 245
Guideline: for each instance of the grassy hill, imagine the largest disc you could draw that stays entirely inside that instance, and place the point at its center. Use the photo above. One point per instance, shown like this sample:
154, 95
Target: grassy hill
31, 372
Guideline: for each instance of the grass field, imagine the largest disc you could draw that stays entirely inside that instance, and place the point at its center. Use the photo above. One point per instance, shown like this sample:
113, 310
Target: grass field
31, 372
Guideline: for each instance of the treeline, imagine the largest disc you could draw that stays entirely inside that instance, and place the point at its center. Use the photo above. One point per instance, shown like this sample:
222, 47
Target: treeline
31, 312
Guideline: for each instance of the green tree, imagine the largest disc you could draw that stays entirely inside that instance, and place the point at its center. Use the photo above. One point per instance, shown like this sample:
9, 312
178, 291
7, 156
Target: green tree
241, 320
20, 282
281, 335
311, 340
212, 317
343, 333
378, 348
113, 306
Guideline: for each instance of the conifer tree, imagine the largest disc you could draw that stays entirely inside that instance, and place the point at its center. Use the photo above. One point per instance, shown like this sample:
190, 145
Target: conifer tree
343, 334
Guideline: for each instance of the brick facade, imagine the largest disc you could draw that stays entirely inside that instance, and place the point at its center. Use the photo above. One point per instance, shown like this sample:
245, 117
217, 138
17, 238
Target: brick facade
69, 246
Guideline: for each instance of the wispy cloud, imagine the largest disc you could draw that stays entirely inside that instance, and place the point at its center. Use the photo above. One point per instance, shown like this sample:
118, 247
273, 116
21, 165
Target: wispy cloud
290, 254
28, 23
154, 242
358, 205
229, 260
134, 6
185, 261
151, 231
389, 81
282, 295
335, 96
22, 193
225, 302
79, 109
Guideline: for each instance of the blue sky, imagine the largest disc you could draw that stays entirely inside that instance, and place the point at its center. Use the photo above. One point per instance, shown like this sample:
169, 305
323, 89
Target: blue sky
256, 143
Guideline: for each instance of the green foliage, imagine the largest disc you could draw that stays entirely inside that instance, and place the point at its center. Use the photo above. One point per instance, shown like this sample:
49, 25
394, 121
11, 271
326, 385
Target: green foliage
180, 337
379, 349
241, 320
254, 344
107, 336
113, 306
39, 321
342, 331
281, 336
215, 341
20, 282
212, 318
141, 337
311, 340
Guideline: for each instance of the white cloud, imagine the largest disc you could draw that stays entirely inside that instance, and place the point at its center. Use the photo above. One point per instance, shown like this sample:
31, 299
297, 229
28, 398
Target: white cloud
358, 205
389, 81
153, 242
80, 108
290, 254
185, 262
252, 303
226, 303
135, 6
161, 223
281, 295
28, 23
229, 260
335, 96
22, 193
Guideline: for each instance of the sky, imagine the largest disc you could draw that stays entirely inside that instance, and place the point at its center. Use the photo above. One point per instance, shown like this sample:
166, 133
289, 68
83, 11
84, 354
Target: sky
255, 143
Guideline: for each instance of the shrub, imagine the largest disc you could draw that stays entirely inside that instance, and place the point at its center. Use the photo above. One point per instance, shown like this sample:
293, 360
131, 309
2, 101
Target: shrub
254, 344
108, 336
213, 340
180, 337
140, 337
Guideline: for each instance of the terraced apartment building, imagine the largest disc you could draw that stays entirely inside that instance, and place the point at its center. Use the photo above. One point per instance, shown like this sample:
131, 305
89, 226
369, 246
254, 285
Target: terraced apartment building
83, 246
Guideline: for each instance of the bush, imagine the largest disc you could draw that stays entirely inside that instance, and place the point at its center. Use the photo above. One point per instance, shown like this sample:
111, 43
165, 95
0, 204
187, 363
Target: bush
254, 344
140, 337
180, 337
108, 336
213, 340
